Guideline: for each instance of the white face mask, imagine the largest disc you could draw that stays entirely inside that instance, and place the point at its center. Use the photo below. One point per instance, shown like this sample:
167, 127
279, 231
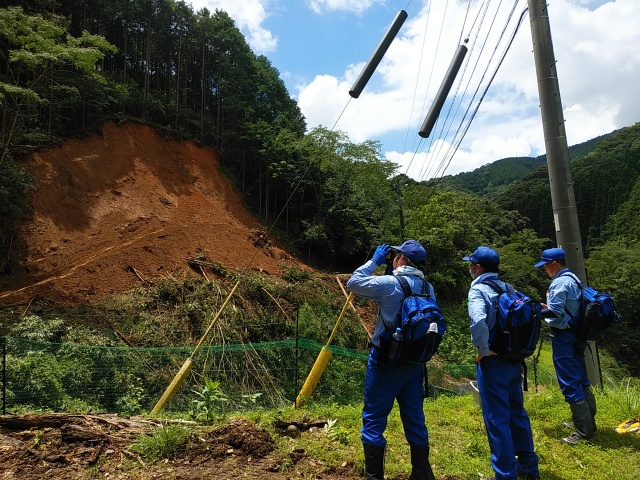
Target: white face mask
472, 271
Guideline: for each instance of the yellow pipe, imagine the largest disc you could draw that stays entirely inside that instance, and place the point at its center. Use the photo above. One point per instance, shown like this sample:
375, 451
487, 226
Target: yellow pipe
321, 362
178, 380
314, 377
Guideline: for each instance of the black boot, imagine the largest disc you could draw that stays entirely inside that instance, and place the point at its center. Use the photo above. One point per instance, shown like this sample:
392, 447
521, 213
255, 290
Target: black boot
582, 422
420, 466
591, 401
373, 462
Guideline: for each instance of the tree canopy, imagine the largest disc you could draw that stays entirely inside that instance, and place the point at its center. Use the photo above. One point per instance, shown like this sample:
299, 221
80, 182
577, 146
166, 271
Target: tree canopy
69, 66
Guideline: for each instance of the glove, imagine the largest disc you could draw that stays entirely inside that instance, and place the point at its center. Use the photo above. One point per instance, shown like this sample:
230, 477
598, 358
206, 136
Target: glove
380, 255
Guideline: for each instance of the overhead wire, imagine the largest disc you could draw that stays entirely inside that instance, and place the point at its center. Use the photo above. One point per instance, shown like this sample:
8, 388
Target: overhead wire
457, 139
498, 42
415, 90
451, 150
460, 99
481, 15
430, 158
486, 89
464, 22
426, 95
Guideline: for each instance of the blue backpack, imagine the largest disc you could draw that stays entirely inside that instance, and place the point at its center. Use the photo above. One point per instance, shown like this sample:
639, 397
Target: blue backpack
518, 320
595, 315
418, 329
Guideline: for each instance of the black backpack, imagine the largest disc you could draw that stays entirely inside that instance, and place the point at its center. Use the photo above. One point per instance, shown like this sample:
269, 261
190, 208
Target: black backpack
417, 332
596, 313
518, 320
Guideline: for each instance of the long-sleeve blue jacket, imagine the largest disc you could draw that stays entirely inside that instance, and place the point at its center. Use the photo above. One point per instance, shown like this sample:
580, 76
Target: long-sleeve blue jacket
563, 293
482, 307
387, 291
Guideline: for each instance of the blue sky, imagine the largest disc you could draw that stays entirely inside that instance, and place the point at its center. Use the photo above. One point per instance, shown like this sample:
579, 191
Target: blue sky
321, 46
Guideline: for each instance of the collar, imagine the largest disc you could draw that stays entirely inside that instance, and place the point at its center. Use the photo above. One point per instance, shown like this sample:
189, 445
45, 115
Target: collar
484, 276
560, 272
407, 270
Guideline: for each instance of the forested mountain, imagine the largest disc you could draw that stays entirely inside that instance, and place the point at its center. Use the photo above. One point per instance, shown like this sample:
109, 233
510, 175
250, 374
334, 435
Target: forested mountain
66, 67
603, 181
486, 179
494, 178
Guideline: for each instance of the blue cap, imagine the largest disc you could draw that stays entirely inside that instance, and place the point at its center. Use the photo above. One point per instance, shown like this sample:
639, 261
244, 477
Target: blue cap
413, 250
551, 255
484, 256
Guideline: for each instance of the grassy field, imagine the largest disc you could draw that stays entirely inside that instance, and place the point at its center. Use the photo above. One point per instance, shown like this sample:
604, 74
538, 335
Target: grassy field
458, 440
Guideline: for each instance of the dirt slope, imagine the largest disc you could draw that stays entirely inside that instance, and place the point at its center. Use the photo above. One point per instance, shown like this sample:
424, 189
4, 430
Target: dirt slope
112, 209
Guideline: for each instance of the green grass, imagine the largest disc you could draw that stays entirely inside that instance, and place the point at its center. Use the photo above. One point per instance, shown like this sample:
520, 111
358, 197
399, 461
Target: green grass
165, 442
459, 447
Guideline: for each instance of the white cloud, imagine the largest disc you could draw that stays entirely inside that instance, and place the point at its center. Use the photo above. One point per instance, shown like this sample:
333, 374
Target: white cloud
249, 16
353, 6
598, 63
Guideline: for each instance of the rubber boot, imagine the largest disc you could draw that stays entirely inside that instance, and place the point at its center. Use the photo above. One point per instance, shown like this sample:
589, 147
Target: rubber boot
591, 401
582, 422
420, 466
373, 462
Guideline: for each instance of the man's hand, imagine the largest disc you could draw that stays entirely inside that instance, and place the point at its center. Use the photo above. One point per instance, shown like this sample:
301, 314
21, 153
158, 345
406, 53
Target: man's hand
380, 255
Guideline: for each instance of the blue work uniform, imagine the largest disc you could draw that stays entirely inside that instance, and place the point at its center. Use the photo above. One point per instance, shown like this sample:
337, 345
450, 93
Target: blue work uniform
386, 380
500, 387
563, 299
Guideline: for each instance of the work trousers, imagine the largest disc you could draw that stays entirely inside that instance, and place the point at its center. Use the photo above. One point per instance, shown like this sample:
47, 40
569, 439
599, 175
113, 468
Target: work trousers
386, 381
569, 362
506, 421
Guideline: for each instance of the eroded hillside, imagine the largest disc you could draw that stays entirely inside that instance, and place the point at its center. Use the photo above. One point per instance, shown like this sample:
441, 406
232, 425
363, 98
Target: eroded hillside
112, 210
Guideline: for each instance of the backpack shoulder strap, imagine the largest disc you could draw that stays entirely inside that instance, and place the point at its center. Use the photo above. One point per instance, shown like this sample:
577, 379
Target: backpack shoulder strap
426, 286
494, 285
405, 286
580, 287
575, 279
406, 289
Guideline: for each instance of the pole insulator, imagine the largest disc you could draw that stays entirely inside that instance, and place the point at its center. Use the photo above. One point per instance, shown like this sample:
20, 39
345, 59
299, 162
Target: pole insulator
373, 62
441, 96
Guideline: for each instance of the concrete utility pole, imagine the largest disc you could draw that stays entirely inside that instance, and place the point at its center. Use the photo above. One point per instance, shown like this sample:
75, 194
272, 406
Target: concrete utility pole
565, 214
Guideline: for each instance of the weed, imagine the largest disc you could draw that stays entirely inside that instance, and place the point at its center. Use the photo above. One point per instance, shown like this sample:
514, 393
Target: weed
336, 434
165, 442
251, 399
626, 397
204, 407
294, 274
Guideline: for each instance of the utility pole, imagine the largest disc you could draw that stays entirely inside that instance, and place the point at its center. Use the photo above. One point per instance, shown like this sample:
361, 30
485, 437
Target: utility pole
565, 213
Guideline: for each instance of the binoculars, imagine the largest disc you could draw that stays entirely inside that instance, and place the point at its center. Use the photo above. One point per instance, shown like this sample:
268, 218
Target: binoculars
390, 256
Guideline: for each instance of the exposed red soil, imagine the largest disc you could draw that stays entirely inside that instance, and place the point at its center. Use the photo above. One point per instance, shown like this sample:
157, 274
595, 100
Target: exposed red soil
109, 211
74, 447
114, 209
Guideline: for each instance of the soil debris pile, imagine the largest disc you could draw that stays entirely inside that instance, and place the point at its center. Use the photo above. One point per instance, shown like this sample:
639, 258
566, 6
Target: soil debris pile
115, 209
73, 447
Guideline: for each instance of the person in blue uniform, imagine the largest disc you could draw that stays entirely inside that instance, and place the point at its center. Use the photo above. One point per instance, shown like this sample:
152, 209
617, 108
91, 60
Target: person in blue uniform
499, 379
563, 302
385, 380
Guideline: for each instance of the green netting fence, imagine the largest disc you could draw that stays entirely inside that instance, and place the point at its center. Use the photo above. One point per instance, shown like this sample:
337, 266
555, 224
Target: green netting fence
62, 377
